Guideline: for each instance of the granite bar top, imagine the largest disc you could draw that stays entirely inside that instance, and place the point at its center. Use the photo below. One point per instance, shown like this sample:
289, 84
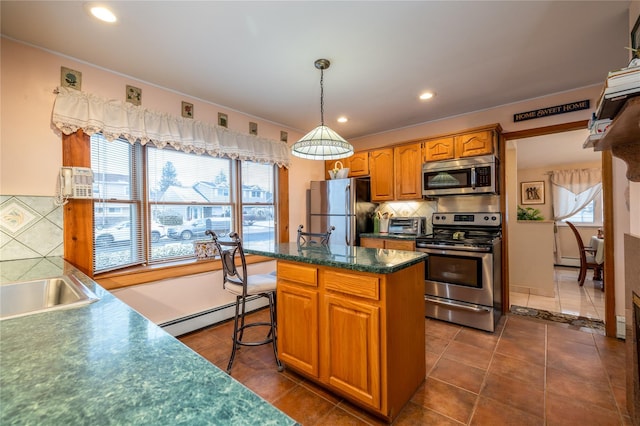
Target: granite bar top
374, 260
104, 363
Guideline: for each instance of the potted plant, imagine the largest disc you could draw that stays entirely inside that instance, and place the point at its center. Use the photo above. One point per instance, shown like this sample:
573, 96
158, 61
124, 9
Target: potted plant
529, 213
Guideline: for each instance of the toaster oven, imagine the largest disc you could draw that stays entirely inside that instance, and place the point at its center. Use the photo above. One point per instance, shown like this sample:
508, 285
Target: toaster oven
407, 225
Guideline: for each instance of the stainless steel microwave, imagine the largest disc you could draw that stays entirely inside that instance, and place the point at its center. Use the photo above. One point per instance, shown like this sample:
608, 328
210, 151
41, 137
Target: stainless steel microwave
464, 176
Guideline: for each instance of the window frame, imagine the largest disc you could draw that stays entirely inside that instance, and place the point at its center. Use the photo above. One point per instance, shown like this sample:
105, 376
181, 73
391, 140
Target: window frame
78, 229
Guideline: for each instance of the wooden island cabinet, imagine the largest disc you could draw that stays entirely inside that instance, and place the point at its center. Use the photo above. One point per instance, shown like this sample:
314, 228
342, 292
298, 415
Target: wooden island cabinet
353, 323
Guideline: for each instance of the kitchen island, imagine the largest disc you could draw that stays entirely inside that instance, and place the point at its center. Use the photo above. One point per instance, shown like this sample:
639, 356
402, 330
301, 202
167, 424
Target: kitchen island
352, 320
103, 363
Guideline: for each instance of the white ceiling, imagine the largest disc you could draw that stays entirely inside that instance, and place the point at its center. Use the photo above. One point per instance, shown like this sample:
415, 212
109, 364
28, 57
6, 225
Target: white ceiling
257, 57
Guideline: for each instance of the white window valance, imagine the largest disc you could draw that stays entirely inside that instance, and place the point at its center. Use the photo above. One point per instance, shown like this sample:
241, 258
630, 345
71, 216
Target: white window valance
74, 110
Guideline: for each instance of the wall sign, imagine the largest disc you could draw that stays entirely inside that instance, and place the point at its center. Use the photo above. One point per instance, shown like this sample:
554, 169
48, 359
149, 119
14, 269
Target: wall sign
554, 110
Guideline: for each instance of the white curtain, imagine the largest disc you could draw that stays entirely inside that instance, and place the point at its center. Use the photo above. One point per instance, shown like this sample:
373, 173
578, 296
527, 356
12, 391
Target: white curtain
571, 191
75, 110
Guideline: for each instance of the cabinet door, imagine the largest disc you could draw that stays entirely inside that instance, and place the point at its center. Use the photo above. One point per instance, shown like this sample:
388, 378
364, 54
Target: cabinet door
477, 143
359, 164
298, 326
408, 171
400, 245
439, 149
372, 242
351, 348
381, 168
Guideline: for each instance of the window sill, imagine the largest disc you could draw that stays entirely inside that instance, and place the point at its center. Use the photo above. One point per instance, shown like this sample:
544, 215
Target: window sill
146, 274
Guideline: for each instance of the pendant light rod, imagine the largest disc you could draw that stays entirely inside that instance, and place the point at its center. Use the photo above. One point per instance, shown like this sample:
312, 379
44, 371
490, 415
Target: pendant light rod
322, 64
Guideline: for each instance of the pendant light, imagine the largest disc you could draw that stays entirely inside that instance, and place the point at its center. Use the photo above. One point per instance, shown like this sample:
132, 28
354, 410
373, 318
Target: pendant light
322, 143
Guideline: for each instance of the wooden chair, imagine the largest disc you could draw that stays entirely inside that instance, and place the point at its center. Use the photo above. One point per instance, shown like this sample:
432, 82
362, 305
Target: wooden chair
587, 258
237, 282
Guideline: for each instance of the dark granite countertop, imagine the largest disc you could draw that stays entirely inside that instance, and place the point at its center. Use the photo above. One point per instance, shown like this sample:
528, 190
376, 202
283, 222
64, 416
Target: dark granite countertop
374, 260
104, 363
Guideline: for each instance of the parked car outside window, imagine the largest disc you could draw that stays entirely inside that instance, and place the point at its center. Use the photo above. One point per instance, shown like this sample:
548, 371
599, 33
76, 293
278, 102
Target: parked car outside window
197, 228
122, 232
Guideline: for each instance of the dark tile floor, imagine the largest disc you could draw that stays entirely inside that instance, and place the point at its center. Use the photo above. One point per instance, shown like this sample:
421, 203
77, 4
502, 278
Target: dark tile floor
529, 372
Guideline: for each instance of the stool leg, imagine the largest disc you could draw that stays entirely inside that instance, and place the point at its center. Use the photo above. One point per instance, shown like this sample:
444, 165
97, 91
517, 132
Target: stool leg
274, 339
235, 334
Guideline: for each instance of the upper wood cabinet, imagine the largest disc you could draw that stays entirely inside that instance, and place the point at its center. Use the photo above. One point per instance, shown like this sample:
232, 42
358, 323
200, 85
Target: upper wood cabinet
358, 165
482, 141
472, 144
439, 149
408, 171
381, 173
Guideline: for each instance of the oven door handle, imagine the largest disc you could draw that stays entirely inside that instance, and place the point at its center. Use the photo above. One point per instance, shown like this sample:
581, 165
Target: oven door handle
465, 307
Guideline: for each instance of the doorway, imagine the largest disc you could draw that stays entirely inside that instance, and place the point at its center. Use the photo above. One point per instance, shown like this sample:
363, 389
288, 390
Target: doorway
538, 151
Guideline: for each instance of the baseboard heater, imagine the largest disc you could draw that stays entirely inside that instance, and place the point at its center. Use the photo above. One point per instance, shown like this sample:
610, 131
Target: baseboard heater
189, 323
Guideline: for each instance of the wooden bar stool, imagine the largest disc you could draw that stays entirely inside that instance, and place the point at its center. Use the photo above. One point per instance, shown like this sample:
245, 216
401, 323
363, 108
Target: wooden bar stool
238, 282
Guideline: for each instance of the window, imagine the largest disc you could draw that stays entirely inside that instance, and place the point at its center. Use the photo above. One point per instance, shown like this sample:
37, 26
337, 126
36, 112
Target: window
257, 203
590, 214
154, 203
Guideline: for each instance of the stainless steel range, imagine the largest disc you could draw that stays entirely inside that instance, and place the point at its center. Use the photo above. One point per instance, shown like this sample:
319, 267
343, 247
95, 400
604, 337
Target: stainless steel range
463, 270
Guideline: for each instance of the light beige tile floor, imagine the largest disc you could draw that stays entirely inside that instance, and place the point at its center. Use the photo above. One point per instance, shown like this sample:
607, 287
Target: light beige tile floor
570, 298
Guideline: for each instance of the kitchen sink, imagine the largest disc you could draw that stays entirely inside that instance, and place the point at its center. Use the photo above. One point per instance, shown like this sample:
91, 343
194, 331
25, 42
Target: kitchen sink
31, 297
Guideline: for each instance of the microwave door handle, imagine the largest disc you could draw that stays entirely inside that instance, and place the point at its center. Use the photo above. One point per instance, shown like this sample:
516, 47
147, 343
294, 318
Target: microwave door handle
473, 177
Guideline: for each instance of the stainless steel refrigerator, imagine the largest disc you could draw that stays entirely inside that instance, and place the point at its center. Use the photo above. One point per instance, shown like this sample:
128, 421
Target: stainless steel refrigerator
343, 203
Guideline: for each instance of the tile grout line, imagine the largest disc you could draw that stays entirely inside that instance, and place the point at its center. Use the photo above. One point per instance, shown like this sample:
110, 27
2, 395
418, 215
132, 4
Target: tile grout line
486, 374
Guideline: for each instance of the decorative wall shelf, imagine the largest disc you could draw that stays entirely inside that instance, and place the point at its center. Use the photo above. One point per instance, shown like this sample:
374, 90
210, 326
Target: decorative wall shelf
623, 138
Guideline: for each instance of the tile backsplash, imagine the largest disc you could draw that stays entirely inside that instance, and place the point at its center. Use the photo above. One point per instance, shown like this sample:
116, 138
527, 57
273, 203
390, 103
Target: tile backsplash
410, 209
30, 227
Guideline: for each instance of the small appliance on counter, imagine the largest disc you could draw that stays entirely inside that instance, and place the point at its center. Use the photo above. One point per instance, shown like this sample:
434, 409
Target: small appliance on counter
407, 225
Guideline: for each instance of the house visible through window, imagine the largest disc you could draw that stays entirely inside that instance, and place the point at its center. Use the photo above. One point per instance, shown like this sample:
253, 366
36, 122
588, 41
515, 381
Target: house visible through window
152, 204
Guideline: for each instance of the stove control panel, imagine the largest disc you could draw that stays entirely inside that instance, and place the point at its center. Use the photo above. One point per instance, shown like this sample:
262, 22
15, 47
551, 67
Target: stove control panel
468, 219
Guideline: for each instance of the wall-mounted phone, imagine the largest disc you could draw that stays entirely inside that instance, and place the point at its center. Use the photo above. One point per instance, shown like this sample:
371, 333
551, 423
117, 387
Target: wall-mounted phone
76, 182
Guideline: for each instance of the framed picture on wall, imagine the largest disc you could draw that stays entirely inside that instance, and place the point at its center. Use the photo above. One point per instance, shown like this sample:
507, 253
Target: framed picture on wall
532, 192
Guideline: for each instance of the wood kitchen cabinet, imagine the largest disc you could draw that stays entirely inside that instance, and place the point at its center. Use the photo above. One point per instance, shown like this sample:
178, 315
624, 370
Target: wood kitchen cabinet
359, 334
358, 164
382, 175
439, 149
388, 243
476, 143
482, 141
298, 317
408, 171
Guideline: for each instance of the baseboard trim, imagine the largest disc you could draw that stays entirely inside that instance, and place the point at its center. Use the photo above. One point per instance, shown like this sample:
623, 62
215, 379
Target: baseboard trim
193, 322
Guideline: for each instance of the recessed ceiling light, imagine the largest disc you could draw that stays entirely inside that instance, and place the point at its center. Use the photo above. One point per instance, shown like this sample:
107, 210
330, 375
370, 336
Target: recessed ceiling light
342, 119
103, 14
427, 95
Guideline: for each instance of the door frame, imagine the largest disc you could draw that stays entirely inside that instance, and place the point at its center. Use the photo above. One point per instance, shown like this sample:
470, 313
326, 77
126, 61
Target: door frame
607, 205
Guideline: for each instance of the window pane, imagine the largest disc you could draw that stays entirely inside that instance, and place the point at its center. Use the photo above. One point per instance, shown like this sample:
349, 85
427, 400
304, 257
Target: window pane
116, 244
586, 215
258, 209
189, 194
117, 221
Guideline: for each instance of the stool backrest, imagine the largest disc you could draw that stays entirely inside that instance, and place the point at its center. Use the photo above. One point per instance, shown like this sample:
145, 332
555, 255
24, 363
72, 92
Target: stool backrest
310, 238
228, 250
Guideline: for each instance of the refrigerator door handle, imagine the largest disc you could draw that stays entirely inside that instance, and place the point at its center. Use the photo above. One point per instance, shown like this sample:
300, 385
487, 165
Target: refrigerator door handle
347, 217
